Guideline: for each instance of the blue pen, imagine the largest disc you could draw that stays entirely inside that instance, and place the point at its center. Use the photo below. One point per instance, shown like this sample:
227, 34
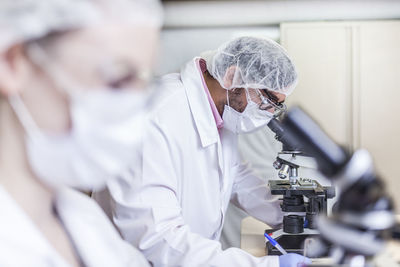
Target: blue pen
275, 244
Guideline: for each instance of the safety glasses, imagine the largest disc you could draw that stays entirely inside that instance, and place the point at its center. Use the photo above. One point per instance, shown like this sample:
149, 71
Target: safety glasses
267, 101
271, 104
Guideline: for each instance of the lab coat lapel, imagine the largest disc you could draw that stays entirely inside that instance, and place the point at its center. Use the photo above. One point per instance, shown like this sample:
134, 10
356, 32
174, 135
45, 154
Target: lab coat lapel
200, 108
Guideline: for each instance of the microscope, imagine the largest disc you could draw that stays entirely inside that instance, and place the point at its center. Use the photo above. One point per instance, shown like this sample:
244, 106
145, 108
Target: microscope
303, 199
363, 218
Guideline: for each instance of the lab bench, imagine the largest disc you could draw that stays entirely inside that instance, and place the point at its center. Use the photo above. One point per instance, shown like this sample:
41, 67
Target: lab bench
253, 241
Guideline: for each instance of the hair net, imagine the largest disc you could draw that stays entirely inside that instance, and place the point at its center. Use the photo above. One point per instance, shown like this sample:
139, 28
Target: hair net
257, 63
23, 20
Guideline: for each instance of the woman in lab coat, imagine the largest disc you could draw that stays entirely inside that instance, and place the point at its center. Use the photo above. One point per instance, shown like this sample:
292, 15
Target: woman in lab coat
68, 118
175, 209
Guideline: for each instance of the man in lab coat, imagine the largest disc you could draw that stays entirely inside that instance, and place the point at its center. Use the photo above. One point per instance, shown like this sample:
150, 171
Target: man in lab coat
173, 209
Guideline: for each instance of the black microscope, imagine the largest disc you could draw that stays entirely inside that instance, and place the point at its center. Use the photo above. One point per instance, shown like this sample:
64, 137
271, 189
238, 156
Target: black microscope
303, 198
362, 220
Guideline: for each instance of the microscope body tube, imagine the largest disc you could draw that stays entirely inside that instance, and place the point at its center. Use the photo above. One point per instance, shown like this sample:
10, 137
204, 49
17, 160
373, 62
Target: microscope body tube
300, 130
280, 135
364, 193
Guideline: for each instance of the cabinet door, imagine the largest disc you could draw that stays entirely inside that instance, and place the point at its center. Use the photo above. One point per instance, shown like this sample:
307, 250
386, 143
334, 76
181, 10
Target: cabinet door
378, 115
350, 83
322, 55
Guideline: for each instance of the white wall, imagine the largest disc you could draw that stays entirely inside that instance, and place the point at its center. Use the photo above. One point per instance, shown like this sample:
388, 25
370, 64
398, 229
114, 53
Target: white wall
181, 44
267, 12
191, 27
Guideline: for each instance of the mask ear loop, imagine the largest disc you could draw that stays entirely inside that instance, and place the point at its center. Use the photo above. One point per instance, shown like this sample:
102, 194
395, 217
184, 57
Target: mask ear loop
227, 97
248, 98
24, 116
40, 58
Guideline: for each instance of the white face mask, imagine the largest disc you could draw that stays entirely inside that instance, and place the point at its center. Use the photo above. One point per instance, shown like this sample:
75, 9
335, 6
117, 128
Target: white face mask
106, 132
251, 119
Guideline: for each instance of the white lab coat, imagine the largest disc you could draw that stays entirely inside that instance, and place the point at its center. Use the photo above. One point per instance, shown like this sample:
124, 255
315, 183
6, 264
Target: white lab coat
96, 241
174, 210
260, 149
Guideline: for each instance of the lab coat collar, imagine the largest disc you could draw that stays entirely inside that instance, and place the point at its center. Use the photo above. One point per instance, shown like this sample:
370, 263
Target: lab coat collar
199, 104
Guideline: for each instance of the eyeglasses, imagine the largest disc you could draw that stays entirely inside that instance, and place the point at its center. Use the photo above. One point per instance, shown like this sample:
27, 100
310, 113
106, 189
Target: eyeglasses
270, 102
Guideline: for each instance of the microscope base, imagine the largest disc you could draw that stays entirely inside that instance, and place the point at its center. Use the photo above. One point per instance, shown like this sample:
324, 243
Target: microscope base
292, 243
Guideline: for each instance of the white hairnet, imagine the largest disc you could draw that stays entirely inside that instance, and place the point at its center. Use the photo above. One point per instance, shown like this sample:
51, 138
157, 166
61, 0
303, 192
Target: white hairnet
257, 63
23, 20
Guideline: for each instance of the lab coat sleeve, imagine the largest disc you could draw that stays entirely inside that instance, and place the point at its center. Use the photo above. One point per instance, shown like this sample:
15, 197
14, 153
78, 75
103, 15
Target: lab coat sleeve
252, 194
148, 214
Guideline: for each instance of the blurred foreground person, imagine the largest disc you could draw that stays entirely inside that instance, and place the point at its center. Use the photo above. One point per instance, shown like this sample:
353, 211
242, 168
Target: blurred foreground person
73, 75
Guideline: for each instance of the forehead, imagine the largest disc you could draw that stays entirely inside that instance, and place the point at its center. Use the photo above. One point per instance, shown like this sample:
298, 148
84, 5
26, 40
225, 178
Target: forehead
92, 45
